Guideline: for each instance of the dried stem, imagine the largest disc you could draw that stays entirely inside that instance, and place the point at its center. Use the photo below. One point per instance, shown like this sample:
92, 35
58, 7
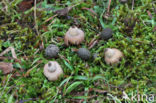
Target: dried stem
35, 18
108, 9
12, 51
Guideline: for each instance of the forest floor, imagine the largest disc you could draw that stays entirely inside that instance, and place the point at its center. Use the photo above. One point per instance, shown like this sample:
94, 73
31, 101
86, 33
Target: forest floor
29, 26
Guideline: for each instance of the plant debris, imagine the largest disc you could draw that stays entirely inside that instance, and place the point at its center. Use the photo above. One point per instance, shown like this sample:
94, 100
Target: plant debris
6, 67
7, 50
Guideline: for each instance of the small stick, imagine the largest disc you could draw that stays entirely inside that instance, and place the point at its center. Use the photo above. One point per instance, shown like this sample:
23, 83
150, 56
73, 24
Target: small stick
12, 51
132, 4
35, 17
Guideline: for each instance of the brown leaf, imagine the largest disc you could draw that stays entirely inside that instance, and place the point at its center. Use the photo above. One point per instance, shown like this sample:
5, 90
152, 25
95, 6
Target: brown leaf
6, 67
26, 4
63, 12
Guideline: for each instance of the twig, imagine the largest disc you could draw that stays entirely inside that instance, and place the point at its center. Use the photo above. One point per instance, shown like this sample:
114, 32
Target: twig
12, 51
35, 18
132, 4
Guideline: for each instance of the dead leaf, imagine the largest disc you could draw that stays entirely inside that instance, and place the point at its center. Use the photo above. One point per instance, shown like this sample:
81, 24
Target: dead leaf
26, 4
63, 12
6, 67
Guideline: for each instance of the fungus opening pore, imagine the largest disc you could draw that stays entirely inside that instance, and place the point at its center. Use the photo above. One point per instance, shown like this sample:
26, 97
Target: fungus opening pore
49, 64
73, 32
110, 53
51, 67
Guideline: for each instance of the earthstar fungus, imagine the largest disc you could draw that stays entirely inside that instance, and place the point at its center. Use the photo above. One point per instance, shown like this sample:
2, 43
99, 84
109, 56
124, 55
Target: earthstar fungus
52, 51
52, 70
106, 34
74, 36
84, 53
113, 56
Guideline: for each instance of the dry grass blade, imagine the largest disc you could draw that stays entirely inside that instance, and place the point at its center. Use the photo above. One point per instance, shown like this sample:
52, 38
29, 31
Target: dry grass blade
108, 9
50, 18
7, 50
92, 11
35, 18
93, 44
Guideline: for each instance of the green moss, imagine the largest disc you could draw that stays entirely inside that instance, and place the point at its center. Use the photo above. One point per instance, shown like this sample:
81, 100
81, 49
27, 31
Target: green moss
132, 33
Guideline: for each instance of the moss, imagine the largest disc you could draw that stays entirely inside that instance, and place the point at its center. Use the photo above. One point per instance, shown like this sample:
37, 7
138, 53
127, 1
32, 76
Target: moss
132, 34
